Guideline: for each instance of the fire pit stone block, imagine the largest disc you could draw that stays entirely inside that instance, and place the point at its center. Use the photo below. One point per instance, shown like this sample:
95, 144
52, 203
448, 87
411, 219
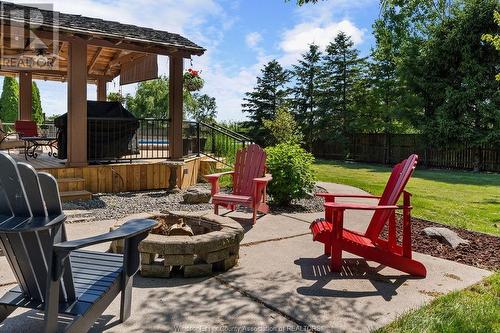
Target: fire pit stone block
215, 256
197, 270
179, 259
155, 270
214, 246
226, 264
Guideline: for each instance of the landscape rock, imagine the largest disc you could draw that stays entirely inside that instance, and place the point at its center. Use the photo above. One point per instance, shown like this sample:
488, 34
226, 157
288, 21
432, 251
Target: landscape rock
196, 196
445, 235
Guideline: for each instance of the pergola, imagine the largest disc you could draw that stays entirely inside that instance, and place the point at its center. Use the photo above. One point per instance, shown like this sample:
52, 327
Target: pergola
49, 45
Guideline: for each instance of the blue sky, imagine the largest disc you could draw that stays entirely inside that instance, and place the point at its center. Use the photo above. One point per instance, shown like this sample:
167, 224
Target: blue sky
240, 36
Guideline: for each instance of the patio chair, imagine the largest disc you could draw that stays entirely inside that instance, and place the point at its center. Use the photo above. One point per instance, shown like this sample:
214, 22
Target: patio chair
26, 128
249, 183
9, 140
370, 245
54, 275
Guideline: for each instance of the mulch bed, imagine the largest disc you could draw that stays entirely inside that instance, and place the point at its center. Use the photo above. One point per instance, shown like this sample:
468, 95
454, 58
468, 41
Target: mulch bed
483, 251
311, 204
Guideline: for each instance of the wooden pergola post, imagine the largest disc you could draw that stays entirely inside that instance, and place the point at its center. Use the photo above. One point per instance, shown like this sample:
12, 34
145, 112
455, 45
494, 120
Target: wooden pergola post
77, 103
25, 96
101, 89
175, 106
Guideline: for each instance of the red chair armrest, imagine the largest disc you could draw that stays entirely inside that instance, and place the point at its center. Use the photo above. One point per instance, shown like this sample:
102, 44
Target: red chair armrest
218, 175
354, 206
266, 179
214, 180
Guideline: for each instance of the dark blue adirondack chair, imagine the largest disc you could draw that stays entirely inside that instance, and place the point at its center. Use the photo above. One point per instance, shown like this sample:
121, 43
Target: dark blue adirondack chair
53, 274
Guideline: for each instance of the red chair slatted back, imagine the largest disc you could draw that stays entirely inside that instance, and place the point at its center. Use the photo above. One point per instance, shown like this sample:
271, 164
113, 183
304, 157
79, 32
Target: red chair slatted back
400, 176
26, 128
250, 163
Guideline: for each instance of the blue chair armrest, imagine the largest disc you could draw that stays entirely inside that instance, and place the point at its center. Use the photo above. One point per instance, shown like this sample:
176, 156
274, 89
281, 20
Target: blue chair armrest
127, 230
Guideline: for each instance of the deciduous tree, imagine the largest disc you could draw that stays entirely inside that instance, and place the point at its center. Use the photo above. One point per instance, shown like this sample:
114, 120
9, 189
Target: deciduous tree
283, 128
204, 108
494, 39
151, 99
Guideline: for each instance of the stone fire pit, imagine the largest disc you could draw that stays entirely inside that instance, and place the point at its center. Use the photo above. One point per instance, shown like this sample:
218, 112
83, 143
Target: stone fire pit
214, 245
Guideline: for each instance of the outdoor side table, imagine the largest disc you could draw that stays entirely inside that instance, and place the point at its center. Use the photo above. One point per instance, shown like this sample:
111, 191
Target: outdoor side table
32, 143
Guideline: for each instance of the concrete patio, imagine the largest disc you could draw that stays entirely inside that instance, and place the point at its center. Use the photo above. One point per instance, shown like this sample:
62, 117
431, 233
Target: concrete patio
281, 283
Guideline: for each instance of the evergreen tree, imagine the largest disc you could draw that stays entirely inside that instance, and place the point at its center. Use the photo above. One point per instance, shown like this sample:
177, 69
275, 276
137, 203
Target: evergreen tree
38, 115
307, 94
341, 78
9, 100
269, 94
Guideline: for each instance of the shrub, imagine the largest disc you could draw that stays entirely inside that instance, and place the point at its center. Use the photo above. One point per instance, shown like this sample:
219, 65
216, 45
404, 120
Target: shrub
291, 167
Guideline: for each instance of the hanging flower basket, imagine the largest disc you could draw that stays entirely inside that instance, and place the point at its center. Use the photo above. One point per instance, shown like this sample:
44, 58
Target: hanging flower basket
192, 80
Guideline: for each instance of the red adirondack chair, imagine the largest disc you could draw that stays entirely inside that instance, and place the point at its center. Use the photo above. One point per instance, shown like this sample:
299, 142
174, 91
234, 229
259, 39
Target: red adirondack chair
249, 182
26, 128
370, 245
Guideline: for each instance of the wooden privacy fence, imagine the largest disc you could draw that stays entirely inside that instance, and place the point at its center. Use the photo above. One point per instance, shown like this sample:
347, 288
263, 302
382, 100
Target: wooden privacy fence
392, 148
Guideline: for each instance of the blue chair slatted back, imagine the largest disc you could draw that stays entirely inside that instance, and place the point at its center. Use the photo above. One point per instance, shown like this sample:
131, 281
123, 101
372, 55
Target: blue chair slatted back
31, 221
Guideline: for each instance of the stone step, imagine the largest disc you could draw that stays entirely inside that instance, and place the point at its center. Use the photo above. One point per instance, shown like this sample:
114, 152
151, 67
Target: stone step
75, 195
71, 184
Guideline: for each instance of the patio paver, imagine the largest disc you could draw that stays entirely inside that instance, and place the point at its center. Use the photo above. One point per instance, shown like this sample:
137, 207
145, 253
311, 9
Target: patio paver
282, 281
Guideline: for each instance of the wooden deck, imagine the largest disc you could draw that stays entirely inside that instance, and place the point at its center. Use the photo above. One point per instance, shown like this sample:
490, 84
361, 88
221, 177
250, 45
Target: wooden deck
44, 162
140, 175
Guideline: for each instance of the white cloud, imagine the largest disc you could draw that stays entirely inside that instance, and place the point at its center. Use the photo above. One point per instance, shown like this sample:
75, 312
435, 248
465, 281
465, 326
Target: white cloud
205, 22
296, 40
170, 15
253, 39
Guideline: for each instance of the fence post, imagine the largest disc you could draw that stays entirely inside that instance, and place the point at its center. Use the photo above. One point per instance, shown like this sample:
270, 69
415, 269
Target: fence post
198, 137
387, 148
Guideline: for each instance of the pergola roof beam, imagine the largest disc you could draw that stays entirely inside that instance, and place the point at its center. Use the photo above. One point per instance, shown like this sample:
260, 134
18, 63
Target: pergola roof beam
94, 59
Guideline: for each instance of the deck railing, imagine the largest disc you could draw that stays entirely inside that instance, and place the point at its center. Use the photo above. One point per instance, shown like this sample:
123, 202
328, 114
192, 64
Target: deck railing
124, 139
216, 141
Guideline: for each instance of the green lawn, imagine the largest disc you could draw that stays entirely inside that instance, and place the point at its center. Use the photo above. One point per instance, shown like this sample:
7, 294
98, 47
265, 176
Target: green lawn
458, 198
475, 309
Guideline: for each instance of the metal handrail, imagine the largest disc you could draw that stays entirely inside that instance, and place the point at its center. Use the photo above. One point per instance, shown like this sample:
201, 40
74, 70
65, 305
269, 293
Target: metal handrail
242, 137
226, 131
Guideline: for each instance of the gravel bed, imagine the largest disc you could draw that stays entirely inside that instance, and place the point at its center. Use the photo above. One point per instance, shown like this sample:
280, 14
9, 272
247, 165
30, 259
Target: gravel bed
109, 206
